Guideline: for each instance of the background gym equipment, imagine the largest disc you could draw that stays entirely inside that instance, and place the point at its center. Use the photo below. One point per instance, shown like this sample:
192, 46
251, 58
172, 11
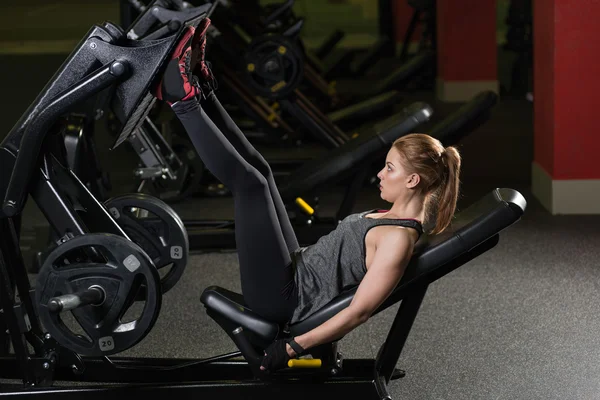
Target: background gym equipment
274, 66
322, 73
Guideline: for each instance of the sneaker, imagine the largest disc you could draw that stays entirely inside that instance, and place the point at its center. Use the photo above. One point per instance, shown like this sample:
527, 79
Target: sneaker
178, 83
198, 56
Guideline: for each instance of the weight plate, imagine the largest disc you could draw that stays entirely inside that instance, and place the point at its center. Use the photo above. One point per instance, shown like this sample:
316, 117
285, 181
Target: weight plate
189, 175
274, 66
154, 226
120, 268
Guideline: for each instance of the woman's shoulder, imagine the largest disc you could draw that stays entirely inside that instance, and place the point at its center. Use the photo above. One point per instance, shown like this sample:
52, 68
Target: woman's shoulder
398, 233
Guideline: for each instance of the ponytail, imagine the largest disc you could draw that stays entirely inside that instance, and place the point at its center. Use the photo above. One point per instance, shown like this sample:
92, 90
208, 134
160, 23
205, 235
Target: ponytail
439, 169
447, 195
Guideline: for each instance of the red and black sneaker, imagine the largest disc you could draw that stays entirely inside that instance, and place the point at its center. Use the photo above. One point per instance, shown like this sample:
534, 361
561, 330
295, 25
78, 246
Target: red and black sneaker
178, 83
198, 56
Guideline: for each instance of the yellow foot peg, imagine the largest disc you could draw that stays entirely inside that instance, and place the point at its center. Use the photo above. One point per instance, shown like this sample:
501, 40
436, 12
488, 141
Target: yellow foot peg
304, 206
304, 363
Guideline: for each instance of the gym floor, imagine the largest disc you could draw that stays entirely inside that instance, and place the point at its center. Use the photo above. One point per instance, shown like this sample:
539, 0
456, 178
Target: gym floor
518, 322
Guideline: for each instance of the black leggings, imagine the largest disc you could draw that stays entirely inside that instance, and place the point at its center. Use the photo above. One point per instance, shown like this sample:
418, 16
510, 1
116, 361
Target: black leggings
263, 232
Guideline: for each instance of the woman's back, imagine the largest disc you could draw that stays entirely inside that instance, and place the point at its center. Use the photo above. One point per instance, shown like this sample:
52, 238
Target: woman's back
336, 262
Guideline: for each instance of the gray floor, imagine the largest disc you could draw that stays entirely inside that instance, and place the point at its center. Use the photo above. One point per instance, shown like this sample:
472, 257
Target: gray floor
519, 322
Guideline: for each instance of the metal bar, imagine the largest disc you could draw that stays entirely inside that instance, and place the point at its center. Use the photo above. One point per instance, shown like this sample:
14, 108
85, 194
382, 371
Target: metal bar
9, 314
166, 150
319, 84
146, 150
311, 124
394, 343
212, 8
173, 370
292, 390
336, 131
50, 194
38, 127
329, 44
408, 35
21, 281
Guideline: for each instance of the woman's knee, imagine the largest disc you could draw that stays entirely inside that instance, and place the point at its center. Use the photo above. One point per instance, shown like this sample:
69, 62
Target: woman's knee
252, 178
259, 162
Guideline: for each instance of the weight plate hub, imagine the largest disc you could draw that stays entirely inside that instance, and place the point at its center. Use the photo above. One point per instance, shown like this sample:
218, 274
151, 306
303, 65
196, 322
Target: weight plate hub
274, 66
119, 268
154, 226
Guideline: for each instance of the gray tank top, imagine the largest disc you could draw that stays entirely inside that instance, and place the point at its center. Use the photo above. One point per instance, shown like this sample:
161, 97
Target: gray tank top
336, 262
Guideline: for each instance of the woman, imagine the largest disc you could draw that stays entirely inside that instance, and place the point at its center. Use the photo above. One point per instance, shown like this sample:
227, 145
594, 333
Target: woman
286, 283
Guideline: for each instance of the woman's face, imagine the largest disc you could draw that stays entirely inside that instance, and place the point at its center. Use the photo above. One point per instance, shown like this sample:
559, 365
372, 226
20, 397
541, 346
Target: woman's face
395, 181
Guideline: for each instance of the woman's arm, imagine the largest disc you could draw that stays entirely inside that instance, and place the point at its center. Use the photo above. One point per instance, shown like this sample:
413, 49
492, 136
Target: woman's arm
392, 254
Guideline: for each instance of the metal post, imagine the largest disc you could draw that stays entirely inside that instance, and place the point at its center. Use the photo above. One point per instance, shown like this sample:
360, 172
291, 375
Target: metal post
390, 351
7, 301
18, 274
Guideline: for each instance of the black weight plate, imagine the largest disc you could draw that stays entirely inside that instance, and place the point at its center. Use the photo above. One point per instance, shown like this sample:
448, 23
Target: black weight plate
273, 66
159, 231
121, 269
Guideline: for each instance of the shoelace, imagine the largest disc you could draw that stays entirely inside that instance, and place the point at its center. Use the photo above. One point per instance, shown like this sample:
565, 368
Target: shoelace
186, 62
185, 68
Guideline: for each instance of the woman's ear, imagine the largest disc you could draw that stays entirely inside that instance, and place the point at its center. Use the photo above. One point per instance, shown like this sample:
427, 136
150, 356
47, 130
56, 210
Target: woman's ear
413, 181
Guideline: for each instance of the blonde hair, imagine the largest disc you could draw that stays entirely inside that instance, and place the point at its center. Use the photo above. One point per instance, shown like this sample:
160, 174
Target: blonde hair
439, 170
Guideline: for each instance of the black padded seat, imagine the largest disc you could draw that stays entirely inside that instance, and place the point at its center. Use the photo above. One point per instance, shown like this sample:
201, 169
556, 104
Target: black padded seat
476, 229
225, 302
352, 153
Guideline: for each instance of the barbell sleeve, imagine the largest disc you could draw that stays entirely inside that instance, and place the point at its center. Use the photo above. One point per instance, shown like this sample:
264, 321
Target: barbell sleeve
94, 295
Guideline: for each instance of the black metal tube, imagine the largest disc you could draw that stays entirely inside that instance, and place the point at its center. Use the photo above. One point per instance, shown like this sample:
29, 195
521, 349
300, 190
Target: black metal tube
381, 387
279, 11
7, 303
245, 347
212, 8
94, 295
394, 343
38, 127
18, 273
137, 5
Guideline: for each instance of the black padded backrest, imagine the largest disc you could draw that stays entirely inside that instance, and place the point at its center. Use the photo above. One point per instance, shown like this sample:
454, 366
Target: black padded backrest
434, 255
346, 157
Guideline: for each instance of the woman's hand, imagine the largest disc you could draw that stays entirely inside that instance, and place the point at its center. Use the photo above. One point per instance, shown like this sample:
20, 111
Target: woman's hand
276, 356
